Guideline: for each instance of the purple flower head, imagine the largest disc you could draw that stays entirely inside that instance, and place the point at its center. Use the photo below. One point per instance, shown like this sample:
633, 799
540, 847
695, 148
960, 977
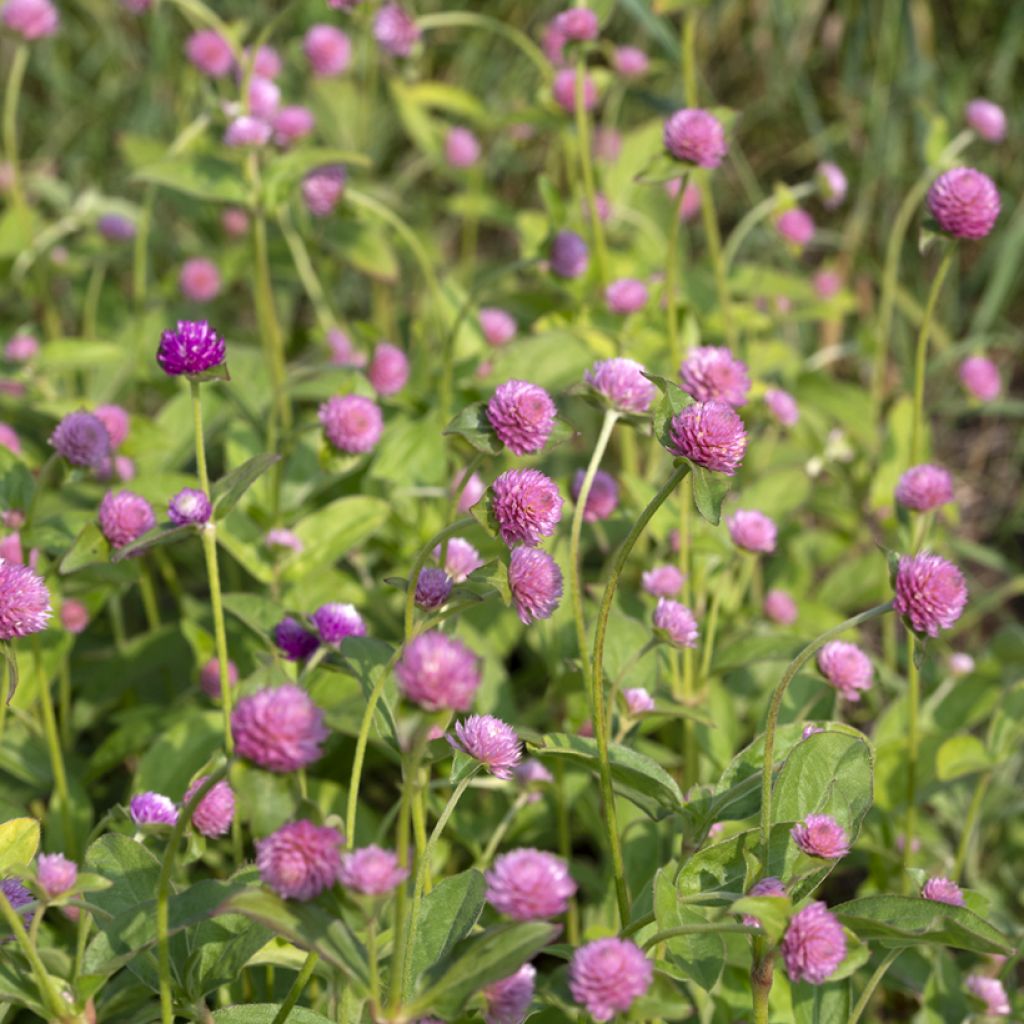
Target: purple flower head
460, 559
116, 422
55, 873
343, 352
9, 438
498, 327
210, 53
82, 439
293, 640
199, 280
943, 890
527, 506
437, 671
323, 188
124, 517
527, 884
389, 369
532, 773
924, 488
328, 50
371, 871
433, 588
152, 809
30, 19
930, 592
814, 944
827, 283
991, 992
280, 539
663, 581
215, 812
246, 131
569, 255
522, 415
193, 348
536, 583
780, 607
696, 137
189, 506
630, 61
395, 31
709, 434
291, 124
832, 184
24, 601
300, 860
234, 221
474, 490
710, 373
264, 98
980, 376
782, 406
280, 729
352, 423
603, 498
752, 531
461, 148
847, 668
627, 295
986, 119
638, 700
768, 886
964, 202
578, 24
21, 348
209, 677
674, 623
266, 63
74, 616
336, 621
796, 226
690, 206
509, 1000
489, 740
564, 90
623, 384
820, 835
608, 975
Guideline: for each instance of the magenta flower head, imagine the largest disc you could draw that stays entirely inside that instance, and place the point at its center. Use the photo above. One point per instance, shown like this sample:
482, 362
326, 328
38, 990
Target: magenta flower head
608, 976
709, 372
768, 886
328, 50
266, 62
473, 491
152, 809
943, 890
371, 871
433, 588
489, 740
21, 348
124, 517
569, 255
696, 137
814, 944
280, 729
209, 677
280, 539
191, 349
55, 873
215, 812
30, 19
291, 124
782, 406
235, 222
527, 506
847, 668
626, 295
709, 434
796, 226
820, 835
603, 498
189, 505
509, 1000
199, 280
82, 439
780, 607
293, 640
323, 188
991, 992
389, 369
630, 61
986, 119
352, 423
300, 860
638, 700
9, 438
930, 592
498, 327
461, 148
527, 884
74, 616
578, 24
980, 376
663, 581
460, 559
621, 382
247, 131
563, 90
522, 415
336, 621
675, 624
536, 583
116, 421
24, 601
752, 531
395, 31
924, 488
827, 283
264, 98
832, 184
210, 53
343, 352
437, 671
964, 203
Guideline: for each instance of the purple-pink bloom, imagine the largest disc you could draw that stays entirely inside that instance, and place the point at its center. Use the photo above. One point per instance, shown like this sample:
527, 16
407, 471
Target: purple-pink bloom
827, 283
622, 383
980, 376
526, 505
964, 202
116, 421
578, 24
603, 498
371, 871
820, 835
291, 124
55, 873
280, 539
437, 671
508, 1000
630, 61
30, 19
638, 700
323, 188
189, 505
461, 148
209, 677
433, 588
300, 860
695, 136
215, 812
780, 607
943, 890
924, 487
709, 434
124, 517
264, 98
768, 886
152, 809
961, 663
293, 640
814, 944
266, 62
395, 31
752, 530
810, 730
210, 53
192, 348
626, 295
9, 438
81, 438
343, 352
522, 415
489, 740
460, 559
930, 592
498, 327
536, 583
607, 976
831, 183
327, 49
782, 406
336, 620
846, 667
796, 226
527, 884
388, 370
675, 623
710, 372
247, 130
21, 348
569, 255
564, 90
991, 992
74, 616
986, 119
234, 221
280, 728
663, 581
352, 423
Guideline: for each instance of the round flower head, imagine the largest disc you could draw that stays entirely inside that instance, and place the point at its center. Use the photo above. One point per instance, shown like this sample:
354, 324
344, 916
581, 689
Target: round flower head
323, 188
536, 583
814, 944
396, 33
782, 406
532, 773
234, 221
638, 700
327, 49
371, 871
293, 640
709, 373
623, 384
578, 24
924, 487
527, 884
460, 559
209, 677
11, 550
846, 667
498, 327
472, 492
663, 581
82, 439
766, 887
564, 90
152, 809
752, 531
266, 62
780, 607
980, 376
300, 860
433, 588
389, 369
603, 498
696, 137
961, 663
627, 295
343, 352
943, 890
352, 423
964, 202
30, 19
796, 226
21, 348
280, 729
461, 148
690, 206
832, 184
930, 592
492, 742
991, 992
189, 505
709, 434
247, 131
630, 61
9, 438
210, 53
291, 124
527, 506
280, 540
55, 873
986, 119
192, 348
827, 283
437, 671
820, 835
674, 622
74, 616
522, 415
509, 1000
116, 422
125, 517
608, 975
199, 280
336, 621
24, 601
215, 812
569, 255
264, 98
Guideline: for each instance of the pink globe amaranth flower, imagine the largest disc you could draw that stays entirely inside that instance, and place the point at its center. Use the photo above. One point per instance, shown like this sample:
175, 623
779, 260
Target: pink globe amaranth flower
336, 621
638, 700
115, 420
964, 202
832, 184
991, 992
630, 61
522, 415
389, 369
709, 434
9, 438
924, 487
21, 348
124, 517
74, 616
696, 137
280, 539
508, 1000
980, 376
82, 439
603, 498
563, 90
199, 280
461, 148
371, 871
847, 668
189, 506
55, 874
460, 559
820, 835
527, 506
814, 944
623, 384
209, 677
498, 327
961, 663
210, 53
578, 24
293, 640
690, 206
710, 372
328, 50
234, 221
474, 490
489, 740
191, 349
674, 622
437, 671
663, 581
30, 19
266, 63
532, 773
280, 729
827, 283
536, 584
752, 530
796, 226
343, 352
930, 592
246, 131
627, 295
11, 549
782, 406
780, 607
151, 808
323, 188
608, 976
291, 124
527, 884
395, 31
768, 886
215, 812
352, 423
433, 588
986, 119
569, 255
943, 890
264, 99
300, 860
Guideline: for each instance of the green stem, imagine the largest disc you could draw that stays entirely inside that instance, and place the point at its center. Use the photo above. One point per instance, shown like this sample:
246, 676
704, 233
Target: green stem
754, 216
421, 560
300, 982
714, 240
306, 271
709, 635
148, 593
60, 778
47, 990
873, 982
208, 533
633, 660
587, 168
572, 914
372, 957
503, 826
15, 78
140, 248
64, 702
671, 278
703, 928
967, 834
200, 438
470, 19
913, 745
761, 976
91, 301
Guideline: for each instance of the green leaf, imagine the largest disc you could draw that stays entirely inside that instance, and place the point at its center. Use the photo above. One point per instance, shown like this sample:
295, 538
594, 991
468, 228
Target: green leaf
473, 426
699, 956
709, 491
79, 354
19, 841
284, 171
182, 747
821, 1004
90, 548
11, 667
19, 226
661, 168
165, 533
203, 177
366, 247
673, 400
961, 755
228, 490
266, 1013
333, 531
129, 865
773, 912
448, 913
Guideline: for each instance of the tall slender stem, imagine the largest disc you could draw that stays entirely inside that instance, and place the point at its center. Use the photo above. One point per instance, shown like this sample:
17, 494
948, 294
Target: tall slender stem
503, 826
140, 248
208, 533
200, 438
873, 982
304, 268
60, 778
587, 168
298, 985
572, 913
967, 834
913, 745
47, 990
15, 78
713, 236
671, 278
688, 54
148, 594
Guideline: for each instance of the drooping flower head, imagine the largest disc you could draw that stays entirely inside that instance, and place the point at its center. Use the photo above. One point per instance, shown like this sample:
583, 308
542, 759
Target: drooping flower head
293, 640
492, 742
780, 607
782, 406
527, 884
710, 434
943, 890
124, 517
433, 588
814, 944
752, 531
24, 601
389, 369
674, 622
82, 439
986, 119
796, 226
437, 671
352, 423
395, 31
991, 992
663, 581
569, 255
626, 295
820, 835
603, 498
846, 667
371, 871
498, 327
623, 384
930, 592
335, 621
768, 886
30, 19
924, 488
710, 372
209, 677
527, 506
607, 976
522, 415
323, 188
964, 202
461, 148
980, 376
696, 137
152, 809
215, 812
563, 90
460, 559
831, 183
189, 505
300, 860
280, 728
328, 50
638, 700
536, 583
192, 348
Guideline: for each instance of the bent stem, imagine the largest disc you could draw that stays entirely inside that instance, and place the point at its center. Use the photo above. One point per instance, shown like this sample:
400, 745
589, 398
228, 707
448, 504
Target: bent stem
873, 982
913, 745
15, 78
754, 216
503, 826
